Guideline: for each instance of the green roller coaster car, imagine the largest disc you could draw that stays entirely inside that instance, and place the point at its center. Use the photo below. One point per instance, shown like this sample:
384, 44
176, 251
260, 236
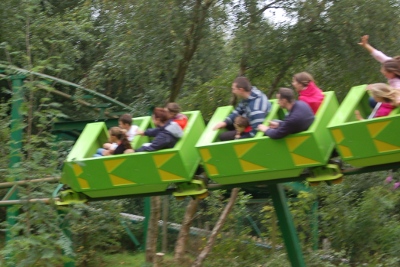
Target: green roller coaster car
259, 159
368, 142
262, 158
136, 173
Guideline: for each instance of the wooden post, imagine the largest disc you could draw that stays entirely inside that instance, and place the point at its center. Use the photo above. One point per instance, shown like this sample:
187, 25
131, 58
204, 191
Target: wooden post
165, 212
158, 259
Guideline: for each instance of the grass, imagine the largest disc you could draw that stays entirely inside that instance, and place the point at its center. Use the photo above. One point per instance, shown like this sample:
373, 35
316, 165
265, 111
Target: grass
127, 259
123, 259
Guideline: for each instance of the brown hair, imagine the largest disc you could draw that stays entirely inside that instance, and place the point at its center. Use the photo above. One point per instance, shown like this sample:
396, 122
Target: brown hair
126, 119
386, 92
161, 114
392, 66
243, 82
121, 135
173, 108
286, 93
241, 121
304, 78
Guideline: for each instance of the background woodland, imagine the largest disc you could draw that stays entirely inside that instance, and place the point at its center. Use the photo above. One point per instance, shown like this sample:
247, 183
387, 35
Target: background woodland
145, 53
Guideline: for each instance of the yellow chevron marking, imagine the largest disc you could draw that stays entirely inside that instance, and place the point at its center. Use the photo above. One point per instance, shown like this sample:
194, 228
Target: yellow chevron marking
161, 159
384, 147
346, 152
243, 148
294, 142
212, 170
83, 183
205, 154
112, 164
115, 180
338, 135
375, 128
167, 176
300, 160
77, 169
248, 166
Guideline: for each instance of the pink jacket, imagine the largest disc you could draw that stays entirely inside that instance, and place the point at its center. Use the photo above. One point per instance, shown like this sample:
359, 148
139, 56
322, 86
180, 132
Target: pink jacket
312, 95
381, 57
384, 110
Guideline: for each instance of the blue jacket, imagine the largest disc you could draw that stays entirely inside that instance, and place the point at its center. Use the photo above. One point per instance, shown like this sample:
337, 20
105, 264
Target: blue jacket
255, 108
299, 119
164, 137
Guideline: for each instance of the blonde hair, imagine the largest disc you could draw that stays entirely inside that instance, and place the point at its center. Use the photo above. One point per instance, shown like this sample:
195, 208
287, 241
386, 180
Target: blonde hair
303, 78
386, 92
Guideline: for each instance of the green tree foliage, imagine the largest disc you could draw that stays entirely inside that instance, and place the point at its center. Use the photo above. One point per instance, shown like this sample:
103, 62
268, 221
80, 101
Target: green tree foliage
96, 228
362, 223
145, 53
148, 57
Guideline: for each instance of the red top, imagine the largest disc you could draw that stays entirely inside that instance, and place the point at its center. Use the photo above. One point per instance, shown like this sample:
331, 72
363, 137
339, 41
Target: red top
181, 120
248, 129
384, 110
312, 95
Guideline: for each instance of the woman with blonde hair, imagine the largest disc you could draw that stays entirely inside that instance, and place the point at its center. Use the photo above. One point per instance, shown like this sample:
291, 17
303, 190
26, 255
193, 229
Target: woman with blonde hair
386, 97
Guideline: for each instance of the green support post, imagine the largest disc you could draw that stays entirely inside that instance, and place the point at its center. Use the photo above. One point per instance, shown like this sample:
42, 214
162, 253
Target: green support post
286, 225
255, 227
16, 141
15, 146
130, 234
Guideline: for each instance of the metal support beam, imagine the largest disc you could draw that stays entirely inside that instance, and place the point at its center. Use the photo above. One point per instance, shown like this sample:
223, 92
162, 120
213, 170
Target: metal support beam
16, 142
286, 225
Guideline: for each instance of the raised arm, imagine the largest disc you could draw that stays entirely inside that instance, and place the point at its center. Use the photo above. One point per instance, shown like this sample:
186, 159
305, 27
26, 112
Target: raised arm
364, 43
378, 55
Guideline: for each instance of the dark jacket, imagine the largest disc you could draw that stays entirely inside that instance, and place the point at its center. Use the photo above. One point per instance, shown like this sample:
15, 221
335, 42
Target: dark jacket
164, 137
299, 119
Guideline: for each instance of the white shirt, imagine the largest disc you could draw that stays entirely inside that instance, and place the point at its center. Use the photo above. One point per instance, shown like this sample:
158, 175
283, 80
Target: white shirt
132, 132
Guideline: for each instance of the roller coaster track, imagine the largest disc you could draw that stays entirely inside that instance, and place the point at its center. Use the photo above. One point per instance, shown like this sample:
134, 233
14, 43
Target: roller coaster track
169, 191
25, 72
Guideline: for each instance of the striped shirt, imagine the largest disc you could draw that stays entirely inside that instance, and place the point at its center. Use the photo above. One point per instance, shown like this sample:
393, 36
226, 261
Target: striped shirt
255, 108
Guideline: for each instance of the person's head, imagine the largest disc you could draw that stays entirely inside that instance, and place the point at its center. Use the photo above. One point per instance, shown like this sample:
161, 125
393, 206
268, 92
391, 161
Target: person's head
160, 116
241, 123
301, 80
241, 87
391, 68
285, 97
125, 121
172, 109
382, 92
116, 134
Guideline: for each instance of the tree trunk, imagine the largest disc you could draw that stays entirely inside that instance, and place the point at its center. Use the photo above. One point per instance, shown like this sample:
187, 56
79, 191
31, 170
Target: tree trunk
192, 41
280, 76
165, 212
152, 230
183, 236
217, 228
